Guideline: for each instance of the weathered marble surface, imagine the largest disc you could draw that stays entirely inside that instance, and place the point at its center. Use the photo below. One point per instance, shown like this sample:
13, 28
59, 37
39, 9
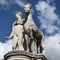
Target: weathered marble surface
22, 55
26, 31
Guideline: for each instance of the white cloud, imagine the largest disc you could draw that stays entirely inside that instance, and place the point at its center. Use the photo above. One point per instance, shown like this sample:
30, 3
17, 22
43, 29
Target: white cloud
5, 4
20, 3
2, 2
50, 1
47, 16
52, 47
5, 48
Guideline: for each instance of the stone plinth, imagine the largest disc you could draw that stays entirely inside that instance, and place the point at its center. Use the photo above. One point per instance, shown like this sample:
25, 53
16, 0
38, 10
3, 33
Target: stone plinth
22, 55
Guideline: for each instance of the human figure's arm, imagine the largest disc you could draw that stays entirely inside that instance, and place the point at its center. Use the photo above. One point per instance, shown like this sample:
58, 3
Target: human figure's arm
11, 35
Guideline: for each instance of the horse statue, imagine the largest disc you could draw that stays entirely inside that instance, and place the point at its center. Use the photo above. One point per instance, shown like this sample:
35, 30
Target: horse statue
34, 37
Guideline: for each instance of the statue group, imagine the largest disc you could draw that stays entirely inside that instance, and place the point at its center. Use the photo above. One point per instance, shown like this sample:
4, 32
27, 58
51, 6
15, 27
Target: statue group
25, 34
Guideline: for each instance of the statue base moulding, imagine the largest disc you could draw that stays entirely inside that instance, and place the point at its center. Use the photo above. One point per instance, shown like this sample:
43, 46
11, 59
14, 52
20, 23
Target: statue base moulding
23, 55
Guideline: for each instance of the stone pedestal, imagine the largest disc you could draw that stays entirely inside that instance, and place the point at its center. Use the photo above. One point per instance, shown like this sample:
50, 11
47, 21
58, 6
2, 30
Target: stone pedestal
22, 55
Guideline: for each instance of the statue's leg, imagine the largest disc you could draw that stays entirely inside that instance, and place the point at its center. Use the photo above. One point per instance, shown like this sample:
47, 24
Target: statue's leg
34, 47
27, 42
14, 42
20, 41
42, 46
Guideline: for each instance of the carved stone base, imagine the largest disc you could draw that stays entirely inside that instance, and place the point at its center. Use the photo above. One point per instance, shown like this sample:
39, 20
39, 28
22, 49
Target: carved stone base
22, 55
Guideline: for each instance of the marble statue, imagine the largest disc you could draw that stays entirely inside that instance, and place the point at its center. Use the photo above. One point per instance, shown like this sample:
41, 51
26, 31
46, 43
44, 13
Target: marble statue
29, 25
17, 33
35, 35
26, 30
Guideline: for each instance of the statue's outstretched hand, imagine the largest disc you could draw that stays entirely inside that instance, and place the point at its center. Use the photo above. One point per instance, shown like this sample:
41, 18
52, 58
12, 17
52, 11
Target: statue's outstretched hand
7, 38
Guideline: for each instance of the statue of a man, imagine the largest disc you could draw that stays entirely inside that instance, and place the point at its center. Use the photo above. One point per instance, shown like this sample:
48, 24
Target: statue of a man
17, 32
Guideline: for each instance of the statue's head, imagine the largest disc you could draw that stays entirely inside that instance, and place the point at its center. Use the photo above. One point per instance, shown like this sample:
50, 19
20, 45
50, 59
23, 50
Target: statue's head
18, 15
27, 7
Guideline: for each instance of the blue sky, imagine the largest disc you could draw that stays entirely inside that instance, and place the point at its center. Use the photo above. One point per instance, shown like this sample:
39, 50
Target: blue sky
46, 15
7, 15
